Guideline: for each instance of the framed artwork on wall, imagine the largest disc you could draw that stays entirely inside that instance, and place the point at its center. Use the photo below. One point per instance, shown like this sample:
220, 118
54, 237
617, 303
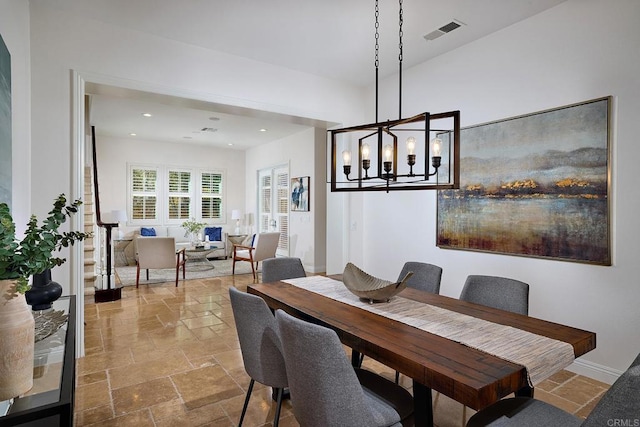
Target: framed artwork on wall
535, 185
5, 124
300, 194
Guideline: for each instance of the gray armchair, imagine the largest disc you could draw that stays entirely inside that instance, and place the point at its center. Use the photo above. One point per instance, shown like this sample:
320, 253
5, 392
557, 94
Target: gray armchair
619, 405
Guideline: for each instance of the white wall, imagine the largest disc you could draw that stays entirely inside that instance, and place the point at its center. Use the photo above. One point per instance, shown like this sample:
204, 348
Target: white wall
61, 42
115, 154
577, 51
14, 28
300, 153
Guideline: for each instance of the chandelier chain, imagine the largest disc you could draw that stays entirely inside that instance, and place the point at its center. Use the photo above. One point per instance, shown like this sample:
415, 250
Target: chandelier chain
400, 14
377, 62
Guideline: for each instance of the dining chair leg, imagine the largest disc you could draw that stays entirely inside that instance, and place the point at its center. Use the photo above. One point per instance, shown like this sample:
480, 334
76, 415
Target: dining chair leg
137, 275
276, 417
246, 401
397, 377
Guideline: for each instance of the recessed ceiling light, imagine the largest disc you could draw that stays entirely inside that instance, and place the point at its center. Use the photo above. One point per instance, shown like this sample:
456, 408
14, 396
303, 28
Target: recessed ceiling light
187, 137
229, 144
263, 130
214, 119
132, 134
146, 114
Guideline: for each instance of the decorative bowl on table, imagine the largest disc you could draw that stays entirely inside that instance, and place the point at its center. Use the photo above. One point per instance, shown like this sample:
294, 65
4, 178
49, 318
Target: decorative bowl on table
370, 288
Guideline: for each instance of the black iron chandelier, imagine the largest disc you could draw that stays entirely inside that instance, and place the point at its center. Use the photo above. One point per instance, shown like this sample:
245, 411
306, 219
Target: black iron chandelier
428, 136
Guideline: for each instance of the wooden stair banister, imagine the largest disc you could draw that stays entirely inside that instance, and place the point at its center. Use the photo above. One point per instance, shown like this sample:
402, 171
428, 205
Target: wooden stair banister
111, 293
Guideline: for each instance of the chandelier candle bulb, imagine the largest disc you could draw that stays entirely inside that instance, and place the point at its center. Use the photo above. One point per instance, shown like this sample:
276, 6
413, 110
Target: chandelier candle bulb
411, 154
346, 162
388, 156
366, 161
436, 146
365, 151
346, 157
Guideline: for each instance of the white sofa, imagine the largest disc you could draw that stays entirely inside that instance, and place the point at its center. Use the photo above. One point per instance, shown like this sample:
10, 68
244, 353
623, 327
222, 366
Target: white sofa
129, 235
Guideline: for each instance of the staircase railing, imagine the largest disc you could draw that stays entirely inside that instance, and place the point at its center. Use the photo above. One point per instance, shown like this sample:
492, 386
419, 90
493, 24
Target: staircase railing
109, 292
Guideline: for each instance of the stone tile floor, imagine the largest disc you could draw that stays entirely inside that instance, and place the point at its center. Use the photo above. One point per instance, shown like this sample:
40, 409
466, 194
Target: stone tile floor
167, 356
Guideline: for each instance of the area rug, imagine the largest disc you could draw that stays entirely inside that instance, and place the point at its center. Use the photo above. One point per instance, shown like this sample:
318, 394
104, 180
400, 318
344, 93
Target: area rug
221, 267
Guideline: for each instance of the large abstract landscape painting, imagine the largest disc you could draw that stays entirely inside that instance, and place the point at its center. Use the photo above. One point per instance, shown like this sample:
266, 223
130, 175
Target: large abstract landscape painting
5, 124
534, 185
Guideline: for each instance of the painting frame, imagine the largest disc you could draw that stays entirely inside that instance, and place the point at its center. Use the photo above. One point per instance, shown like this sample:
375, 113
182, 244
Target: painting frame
300, 196
5, 125
536, 185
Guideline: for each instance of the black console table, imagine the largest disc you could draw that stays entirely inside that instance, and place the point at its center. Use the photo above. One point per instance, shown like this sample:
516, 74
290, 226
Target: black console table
50, 402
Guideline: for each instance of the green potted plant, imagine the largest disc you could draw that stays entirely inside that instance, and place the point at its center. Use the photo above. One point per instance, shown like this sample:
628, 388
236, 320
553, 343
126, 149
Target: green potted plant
20, 259
193, 228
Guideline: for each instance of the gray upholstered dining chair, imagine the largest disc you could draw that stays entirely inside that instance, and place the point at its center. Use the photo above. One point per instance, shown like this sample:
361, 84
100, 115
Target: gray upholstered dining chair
327, 391
263, 246
260, 346
275, 269
158, 253
426, 277
497, 292
620, 405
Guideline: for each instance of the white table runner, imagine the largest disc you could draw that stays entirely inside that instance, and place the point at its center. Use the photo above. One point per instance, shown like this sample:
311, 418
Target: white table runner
540, 355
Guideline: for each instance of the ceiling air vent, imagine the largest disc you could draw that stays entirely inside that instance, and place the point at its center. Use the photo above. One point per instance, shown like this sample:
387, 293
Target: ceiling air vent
443, 30
208, 130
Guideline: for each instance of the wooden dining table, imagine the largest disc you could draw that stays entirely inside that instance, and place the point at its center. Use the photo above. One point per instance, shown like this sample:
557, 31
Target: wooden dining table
470, 376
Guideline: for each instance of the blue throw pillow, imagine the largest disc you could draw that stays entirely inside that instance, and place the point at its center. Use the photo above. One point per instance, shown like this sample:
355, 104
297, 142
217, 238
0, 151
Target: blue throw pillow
214, 233
144, 231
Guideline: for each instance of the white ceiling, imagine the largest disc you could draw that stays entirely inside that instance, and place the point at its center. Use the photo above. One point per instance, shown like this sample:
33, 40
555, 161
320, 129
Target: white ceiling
118, 113
330, 38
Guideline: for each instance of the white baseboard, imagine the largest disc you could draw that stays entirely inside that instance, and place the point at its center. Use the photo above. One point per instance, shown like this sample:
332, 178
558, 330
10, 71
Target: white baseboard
595, 371
315, 268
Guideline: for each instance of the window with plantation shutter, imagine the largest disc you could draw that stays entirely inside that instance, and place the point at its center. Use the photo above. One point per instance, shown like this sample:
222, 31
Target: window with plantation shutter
211, 196
273, 206
169, 195
179, 195
282, 205
144, 194
264, 194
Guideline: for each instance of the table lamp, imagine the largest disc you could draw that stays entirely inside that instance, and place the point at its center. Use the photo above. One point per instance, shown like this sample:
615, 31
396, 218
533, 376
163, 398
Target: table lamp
119, 216
235, 214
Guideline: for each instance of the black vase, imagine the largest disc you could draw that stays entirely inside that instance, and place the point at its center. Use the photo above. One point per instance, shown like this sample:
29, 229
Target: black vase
43, 291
